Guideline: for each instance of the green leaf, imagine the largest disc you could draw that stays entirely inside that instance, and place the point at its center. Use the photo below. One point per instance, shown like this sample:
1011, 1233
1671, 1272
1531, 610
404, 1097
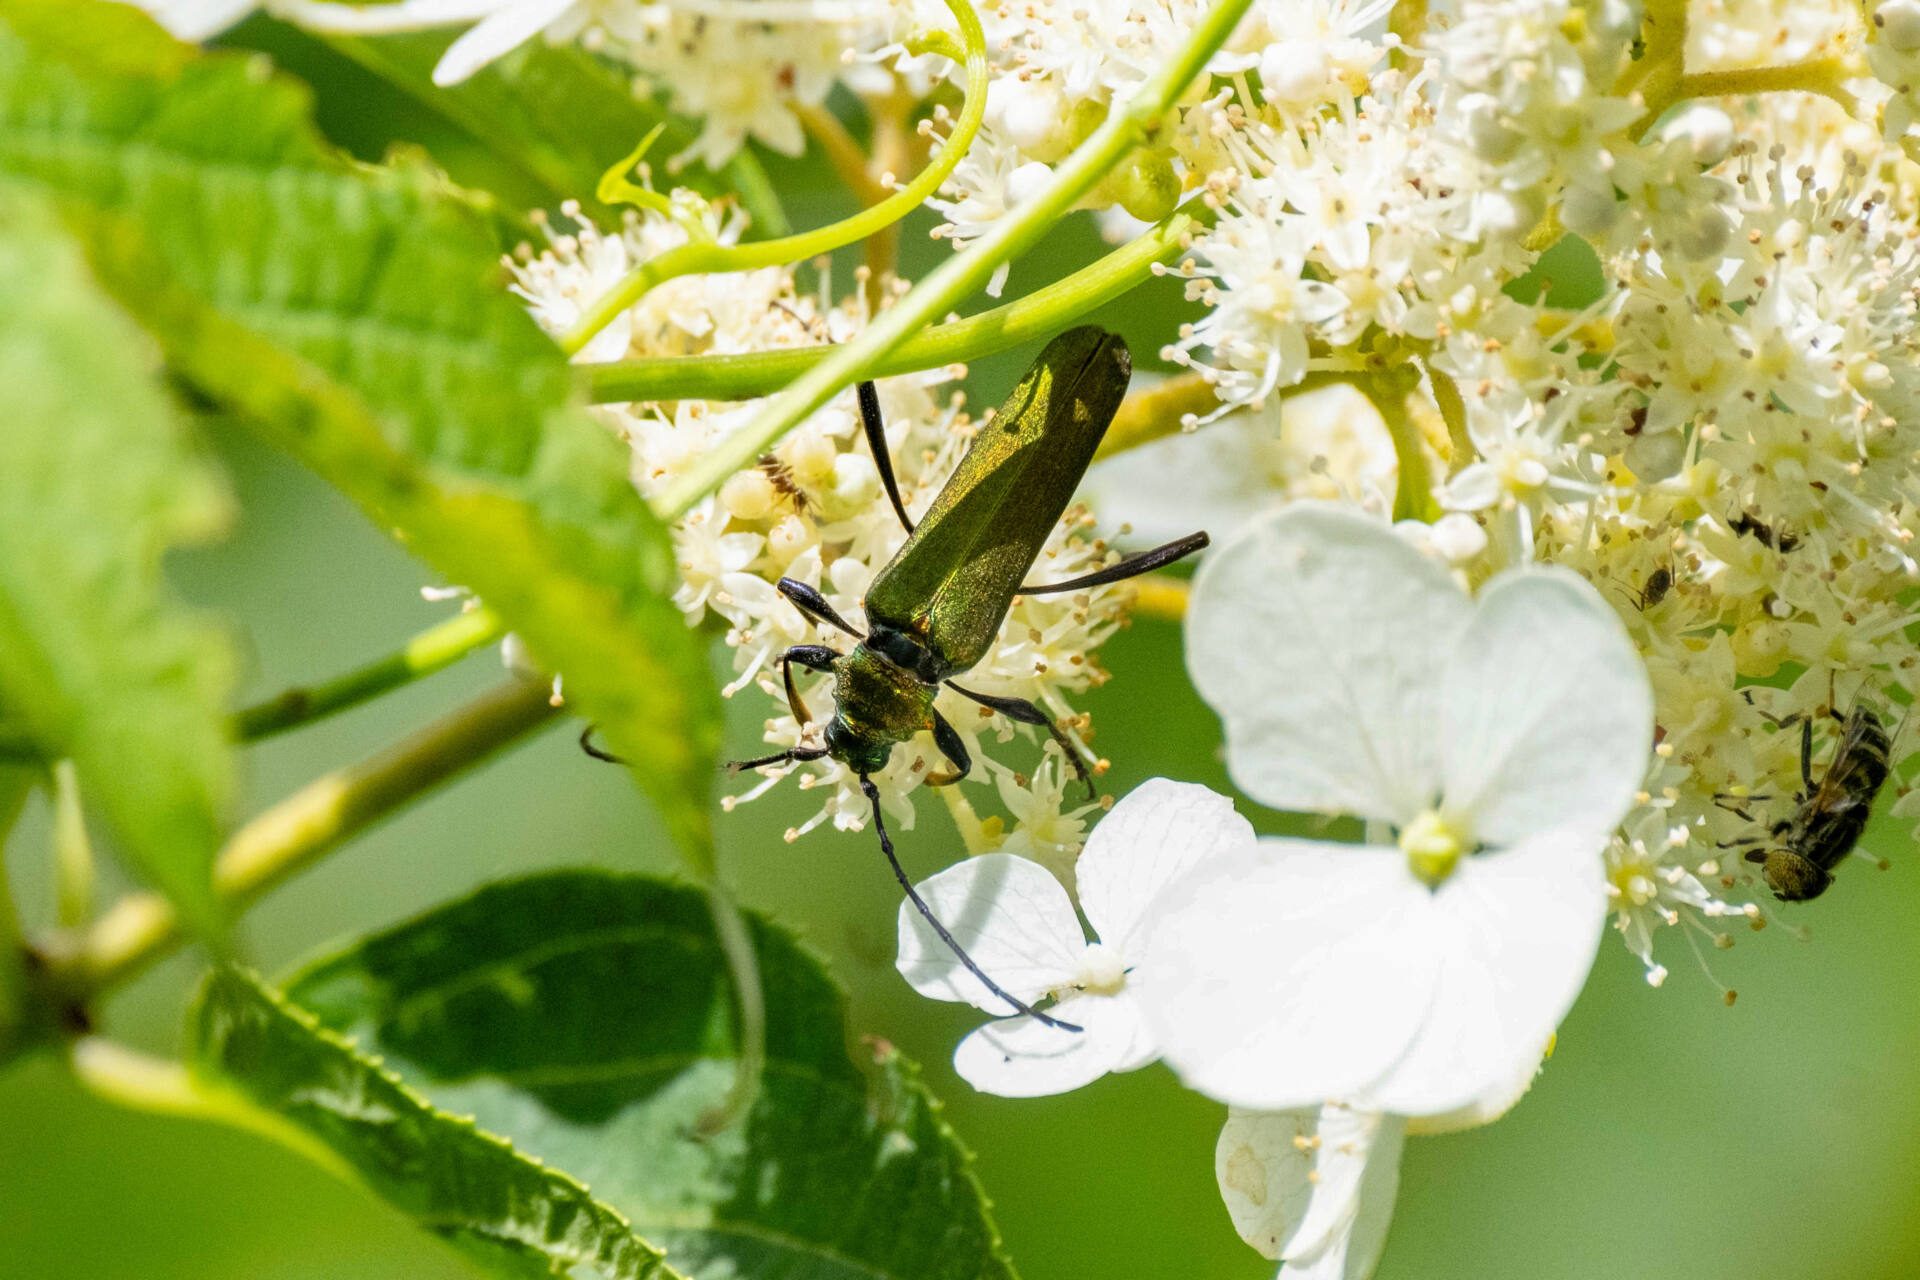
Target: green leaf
587, 1017
356, 316
98, 662
506, 1211
561, 115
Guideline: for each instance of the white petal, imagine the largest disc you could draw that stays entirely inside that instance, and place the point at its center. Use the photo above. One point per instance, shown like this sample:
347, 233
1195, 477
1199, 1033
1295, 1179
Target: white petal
1513, 938
1314, 1186
1022, 1058
1009, 914
495, 36
1152, 837
1291, 975
1215, 479
1489, 1106
1319, 636
1548, 716
197, 19
369, 19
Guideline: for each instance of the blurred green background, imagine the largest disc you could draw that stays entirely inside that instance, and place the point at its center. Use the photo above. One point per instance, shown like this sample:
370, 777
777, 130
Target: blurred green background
1670, 1137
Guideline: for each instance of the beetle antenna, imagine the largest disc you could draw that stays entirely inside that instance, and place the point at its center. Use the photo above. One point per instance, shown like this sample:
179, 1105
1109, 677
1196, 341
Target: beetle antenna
926, 913
1131, 567
876, 430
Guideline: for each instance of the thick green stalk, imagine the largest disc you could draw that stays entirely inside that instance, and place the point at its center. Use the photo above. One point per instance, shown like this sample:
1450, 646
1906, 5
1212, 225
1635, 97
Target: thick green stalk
759, 373
437, 647
307, 825
1125, 128
706, 258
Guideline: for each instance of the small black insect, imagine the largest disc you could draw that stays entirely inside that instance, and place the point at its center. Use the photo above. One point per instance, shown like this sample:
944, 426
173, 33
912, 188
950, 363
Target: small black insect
1826, 823
1765, 534
1654, 590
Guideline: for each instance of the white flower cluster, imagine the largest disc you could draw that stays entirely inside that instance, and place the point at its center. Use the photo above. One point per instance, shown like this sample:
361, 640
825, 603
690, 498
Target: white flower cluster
1723, 435
813, 510
740, 67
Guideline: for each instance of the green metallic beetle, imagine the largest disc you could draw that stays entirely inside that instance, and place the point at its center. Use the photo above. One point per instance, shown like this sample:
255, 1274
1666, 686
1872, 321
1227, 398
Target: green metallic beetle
936, 608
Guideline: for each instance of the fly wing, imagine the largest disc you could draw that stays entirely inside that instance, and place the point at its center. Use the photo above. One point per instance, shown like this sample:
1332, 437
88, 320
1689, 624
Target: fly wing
953, 580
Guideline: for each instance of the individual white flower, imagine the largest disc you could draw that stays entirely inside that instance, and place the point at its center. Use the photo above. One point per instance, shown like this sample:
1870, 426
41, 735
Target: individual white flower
1313, 1187
1502, 740
1018, 924
1328, 442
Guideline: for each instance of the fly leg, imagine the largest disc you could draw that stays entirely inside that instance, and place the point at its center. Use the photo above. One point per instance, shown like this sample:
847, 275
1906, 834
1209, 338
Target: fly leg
876, 432
947, 738
1026, 713
926, 913
810, 602
1131, 567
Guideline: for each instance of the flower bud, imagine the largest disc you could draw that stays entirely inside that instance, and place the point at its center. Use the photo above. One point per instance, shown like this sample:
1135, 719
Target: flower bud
1899, 23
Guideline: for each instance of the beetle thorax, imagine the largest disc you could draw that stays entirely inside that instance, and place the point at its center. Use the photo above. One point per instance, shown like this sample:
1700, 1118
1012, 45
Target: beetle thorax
876, 705
908, 654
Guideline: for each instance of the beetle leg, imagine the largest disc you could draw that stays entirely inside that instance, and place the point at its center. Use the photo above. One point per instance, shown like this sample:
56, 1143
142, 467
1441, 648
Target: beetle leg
814, 605
877, 445
1026, 713
926, 913
586, 745
947, 738
792, 755
814, 657
1131, 567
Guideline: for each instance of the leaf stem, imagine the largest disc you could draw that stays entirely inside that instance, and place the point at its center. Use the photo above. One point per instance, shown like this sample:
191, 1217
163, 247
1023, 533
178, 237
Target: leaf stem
759, 373
434, 649
699, 259
1125, 128
312, 822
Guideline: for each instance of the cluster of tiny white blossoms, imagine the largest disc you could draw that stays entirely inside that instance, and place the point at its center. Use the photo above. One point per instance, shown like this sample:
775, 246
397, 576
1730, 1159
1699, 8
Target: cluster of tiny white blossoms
813, 510
744, 69
1722, 436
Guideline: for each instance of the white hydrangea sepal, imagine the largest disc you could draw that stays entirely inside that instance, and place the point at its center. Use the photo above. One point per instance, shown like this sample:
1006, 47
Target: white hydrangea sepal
1360, 733
1006, 912
1312, 1188
1017, 922
1354, 676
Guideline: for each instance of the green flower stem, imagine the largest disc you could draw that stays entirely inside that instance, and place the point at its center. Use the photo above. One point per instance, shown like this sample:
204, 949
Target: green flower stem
1823, 76
307, 825
437, 647
1656, 76
1156, 411
1453, 411
960, 276
704, 258
15, 782
760, 373
736, 943
72, 851
1413, 499
131, 1079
